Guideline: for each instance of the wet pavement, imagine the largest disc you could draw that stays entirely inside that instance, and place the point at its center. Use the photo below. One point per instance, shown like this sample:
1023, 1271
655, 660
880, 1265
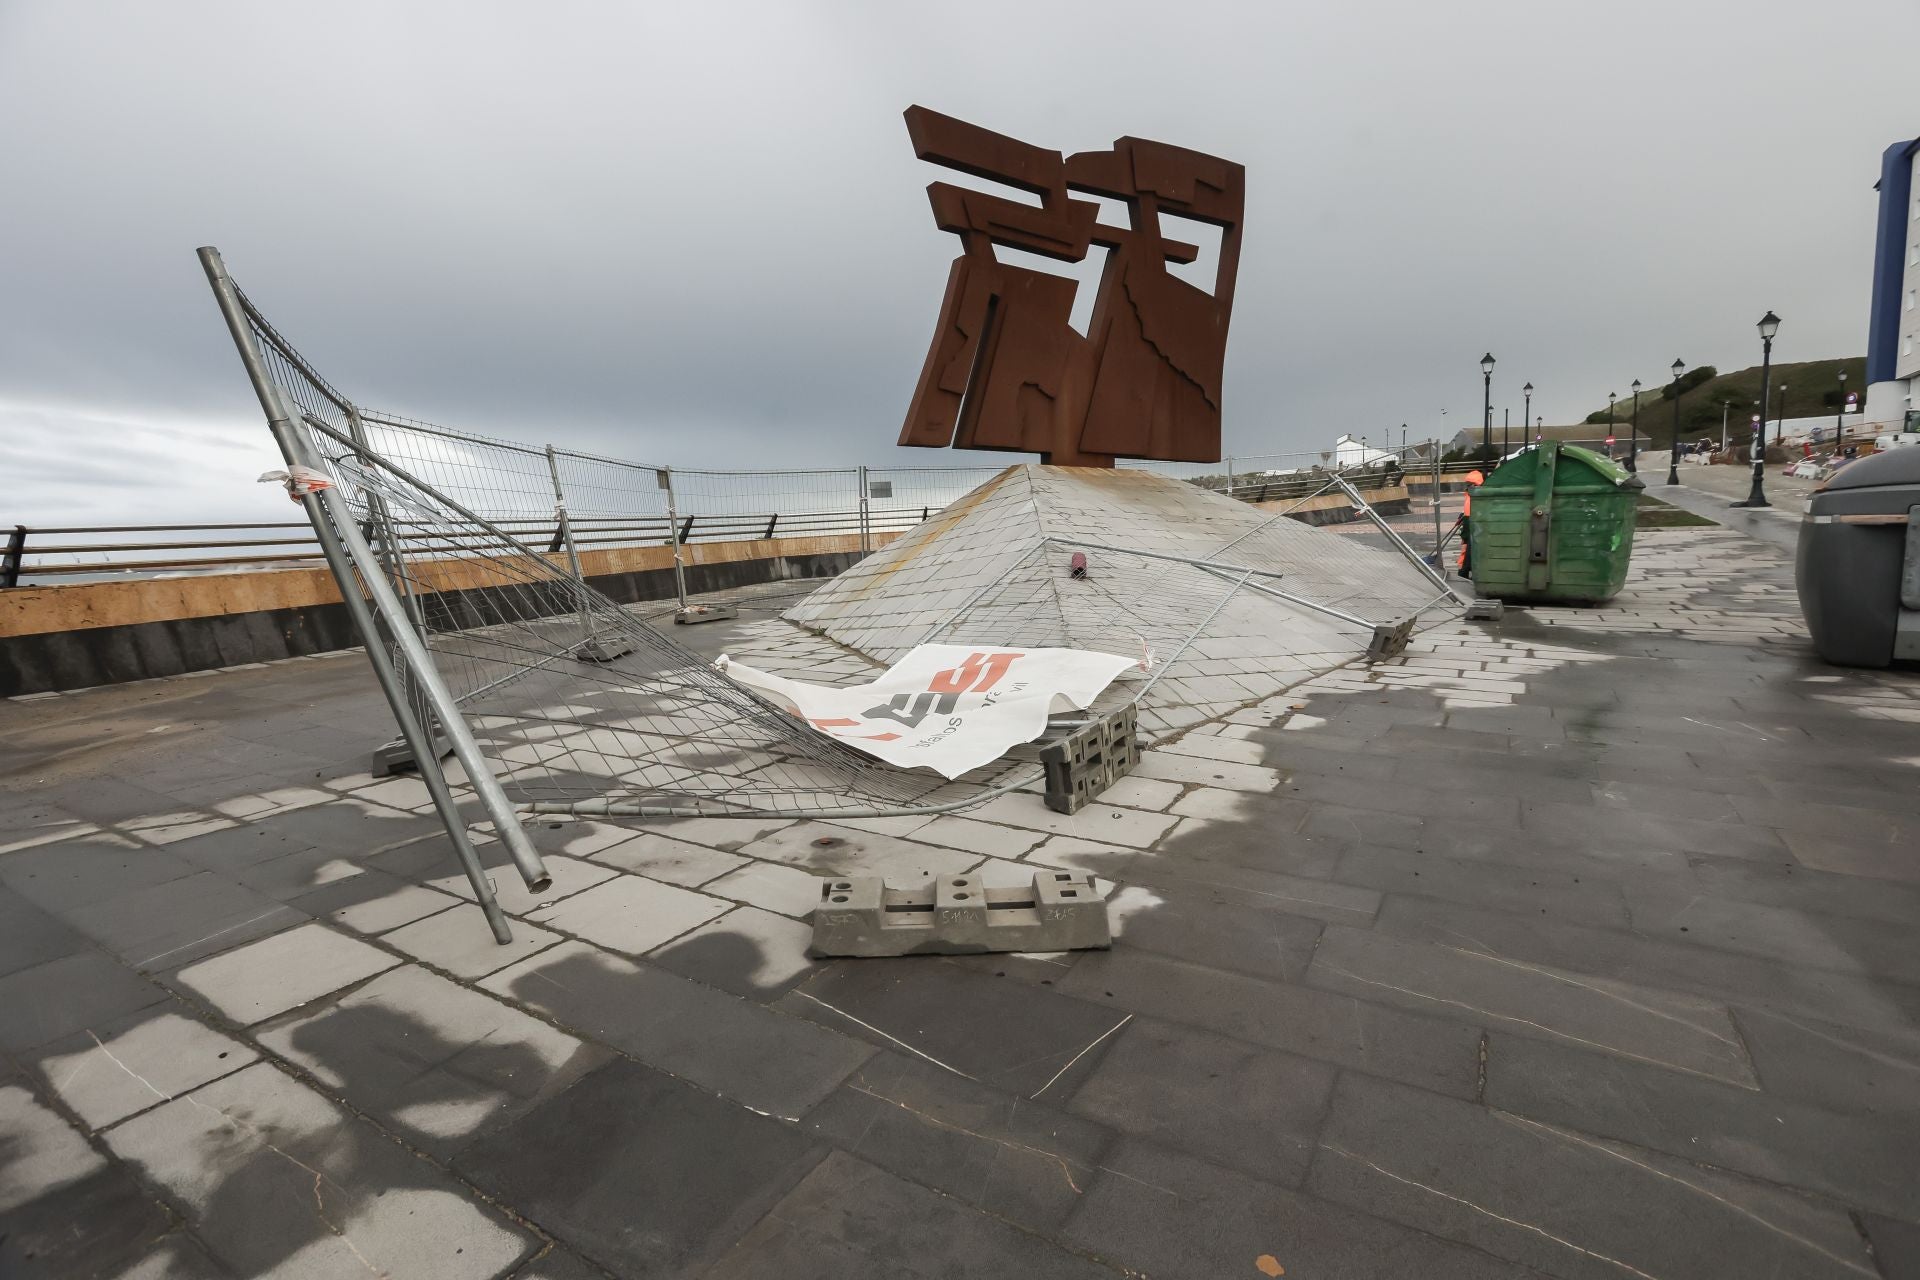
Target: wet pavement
1579, 944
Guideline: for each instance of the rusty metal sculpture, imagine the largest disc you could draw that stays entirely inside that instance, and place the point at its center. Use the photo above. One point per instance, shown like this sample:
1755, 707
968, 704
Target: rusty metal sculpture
1008, 371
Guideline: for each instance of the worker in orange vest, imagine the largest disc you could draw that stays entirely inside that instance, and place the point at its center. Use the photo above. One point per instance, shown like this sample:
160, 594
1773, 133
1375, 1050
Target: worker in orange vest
1474, 480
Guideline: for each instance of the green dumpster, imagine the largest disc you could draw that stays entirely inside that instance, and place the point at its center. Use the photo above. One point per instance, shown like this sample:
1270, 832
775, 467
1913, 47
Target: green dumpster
1554, 525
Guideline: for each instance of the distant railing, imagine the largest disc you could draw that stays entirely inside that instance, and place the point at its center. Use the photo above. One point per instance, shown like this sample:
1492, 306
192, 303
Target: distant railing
38, 555
712, 506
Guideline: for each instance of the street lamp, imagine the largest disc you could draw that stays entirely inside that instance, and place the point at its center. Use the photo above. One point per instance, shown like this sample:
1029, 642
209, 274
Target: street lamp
1673, 457
1539, 429
1610, 399
1486, 406
1527, 411
1633, 444
1780, 415
1769, 325
1840, 414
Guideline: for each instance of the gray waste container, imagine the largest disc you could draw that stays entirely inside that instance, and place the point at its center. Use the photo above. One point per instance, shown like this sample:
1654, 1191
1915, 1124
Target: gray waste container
1858, 569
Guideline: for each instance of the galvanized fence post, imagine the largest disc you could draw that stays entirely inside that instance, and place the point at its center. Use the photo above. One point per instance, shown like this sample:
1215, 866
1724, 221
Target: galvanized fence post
1231, 469
16, 552
566, 540
866, 532
348, 556
1435, 495
665, 479
382, 521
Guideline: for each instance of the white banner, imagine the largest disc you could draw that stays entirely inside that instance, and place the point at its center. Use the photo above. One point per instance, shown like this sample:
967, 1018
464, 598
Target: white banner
946, 707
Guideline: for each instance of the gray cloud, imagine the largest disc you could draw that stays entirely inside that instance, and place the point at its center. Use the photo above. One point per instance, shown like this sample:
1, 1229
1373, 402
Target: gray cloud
695, 233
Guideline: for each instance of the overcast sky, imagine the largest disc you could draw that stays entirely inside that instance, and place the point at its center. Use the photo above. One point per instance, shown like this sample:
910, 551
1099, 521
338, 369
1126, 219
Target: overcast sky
696, 234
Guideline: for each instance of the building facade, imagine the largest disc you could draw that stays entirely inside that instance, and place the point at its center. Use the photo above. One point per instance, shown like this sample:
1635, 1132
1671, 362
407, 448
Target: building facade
1893, 330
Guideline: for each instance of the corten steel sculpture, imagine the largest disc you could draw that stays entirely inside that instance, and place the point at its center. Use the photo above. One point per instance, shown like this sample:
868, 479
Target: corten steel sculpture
1007, 370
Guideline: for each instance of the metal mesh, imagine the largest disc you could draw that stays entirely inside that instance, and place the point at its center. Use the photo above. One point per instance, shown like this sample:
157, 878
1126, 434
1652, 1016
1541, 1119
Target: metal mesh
656, 729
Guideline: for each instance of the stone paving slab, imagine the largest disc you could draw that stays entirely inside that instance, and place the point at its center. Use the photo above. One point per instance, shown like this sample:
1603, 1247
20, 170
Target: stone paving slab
105, 1224
1237, 1105
1852, 1159
1018, 1159
845, 1219
127, 1065
459, 942
589, 1164
178, 922
256, 981
1161, 1213
747, 951
372, 902
436, 1061
275, 1177
1007, 1035
43, 1153
64, 997
661, 857
29, 936
631, 914
1565, 1202
1682, 1033
1346, 1031
765, 1060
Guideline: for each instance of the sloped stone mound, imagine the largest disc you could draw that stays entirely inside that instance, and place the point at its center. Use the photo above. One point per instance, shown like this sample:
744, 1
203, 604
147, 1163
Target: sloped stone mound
1223, 603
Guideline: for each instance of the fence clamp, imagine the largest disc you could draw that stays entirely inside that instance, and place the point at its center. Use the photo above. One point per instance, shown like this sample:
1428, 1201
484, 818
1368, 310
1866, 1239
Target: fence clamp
300, 481
1089, 760
957, 915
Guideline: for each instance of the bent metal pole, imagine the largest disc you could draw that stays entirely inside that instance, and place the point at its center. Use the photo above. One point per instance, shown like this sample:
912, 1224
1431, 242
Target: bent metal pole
413, 651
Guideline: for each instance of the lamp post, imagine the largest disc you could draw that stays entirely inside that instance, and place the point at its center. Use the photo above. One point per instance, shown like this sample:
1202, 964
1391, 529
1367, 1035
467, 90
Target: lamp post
1486, 405
1780, 415
1769, 325
1610, 399
1539, 429
1526, 412
1633, 441
1673, 456
1506, 426
1840, 413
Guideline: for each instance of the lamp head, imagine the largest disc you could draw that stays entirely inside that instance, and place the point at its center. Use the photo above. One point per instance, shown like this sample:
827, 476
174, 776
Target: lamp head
1769, 325
1679, 367
1527, 390
1486, 363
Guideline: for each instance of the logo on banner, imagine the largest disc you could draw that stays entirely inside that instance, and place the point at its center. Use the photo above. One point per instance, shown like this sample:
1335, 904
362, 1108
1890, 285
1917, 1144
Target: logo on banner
978, 674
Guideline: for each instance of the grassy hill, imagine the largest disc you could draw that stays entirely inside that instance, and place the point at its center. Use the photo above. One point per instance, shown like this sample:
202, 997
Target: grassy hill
1813, 388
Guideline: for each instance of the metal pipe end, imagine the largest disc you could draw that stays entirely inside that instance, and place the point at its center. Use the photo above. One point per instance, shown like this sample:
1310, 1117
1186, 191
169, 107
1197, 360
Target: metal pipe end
540, 884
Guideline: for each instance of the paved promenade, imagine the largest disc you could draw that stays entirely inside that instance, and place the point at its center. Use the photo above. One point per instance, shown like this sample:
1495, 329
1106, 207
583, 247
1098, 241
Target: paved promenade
1584, 944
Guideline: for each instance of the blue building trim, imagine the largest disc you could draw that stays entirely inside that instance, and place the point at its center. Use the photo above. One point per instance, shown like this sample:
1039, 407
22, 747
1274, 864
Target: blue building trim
1889, 260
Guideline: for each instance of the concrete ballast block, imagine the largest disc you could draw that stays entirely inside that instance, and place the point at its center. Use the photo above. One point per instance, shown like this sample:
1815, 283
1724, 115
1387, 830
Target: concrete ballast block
958, 915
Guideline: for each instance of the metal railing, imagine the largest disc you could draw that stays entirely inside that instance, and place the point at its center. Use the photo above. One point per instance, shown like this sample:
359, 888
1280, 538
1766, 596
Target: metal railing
611, 503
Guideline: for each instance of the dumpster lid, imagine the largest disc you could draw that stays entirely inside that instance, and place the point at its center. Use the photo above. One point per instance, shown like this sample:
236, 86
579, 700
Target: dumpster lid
1895, 467
1517, 472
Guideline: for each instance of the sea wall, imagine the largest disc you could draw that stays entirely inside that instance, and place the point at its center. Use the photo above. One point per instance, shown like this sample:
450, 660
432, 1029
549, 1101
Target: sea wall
77, 635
